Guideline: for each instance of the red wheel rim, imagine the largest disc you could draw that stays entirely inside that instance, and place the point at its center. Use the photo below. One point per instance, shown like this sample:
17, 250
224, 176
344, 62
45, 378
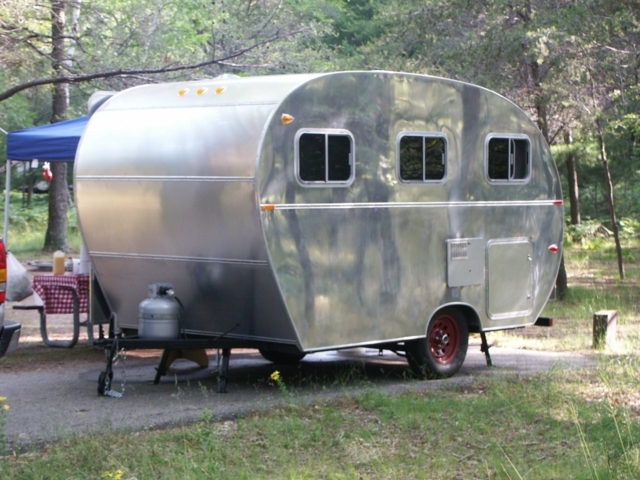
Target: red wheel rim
444, 339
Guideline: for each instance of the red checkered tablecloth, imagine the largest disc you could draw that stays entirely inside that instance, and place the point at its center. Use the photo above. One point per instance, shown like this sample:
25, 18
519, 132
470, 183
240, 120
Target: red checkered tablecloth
56, 292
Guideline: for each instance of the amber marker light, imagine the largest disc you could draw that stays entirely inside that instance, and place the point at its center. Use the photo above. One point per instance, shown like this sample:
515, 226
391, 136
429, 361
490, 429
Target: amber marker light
201, 91
268, 208
219, 90
553, 248
287, 119
183, 92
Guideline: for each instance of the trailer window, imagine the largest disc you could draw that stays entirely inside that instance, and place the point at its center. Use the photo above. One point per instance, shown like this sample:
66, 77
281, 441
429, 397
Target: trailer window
421, 157
508, 159
324, 157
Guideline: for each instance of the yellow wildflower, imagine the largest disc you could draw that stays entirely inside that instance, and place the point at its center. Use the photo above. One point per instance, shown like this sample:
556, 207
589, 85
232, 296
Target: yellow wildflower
6, 408
275, 376
117, 475
3, 399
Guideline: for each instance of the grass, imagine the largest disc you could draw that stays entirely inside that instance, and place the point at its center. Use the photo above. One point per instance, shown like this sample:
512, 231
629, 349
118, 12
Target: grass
594, 286
561, 424
564, 423
28, 224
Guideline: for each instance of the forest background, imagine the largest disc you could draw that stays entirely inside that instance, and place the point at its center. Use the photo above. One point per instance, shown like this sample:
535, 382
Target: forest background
573, 65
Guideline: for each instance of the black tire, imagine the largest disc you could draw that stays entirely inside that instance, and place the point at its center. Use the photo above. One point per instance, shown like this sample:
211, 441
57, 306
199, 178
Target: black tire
104, 382
284, 358
441, 353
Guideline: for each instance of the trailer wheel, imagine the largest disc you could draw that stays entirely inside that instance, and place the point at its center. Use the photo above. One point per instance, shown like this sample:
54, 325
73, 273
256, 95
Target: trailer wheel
104, 382
281, 357
441, 353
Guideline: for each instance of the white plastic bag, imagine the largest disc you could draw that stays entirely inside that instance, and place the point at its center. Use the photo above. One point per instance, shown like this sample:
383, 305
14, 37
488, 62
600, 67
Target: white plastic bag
18, 281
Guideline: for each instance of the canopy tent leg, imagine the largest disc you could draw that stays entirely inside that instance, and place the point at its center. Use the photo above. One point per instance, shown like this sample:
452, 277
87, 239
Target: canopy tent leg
5, 233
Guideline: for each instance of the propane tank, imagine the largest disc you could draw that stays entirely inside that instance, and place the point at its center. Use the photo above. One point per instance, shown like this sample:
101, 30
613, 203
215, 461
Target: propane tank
159, 315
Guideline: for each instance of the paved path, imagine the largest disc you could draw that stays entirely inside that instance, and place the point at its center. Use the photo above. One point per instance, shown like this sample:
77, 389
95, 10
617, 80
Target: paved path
53, 402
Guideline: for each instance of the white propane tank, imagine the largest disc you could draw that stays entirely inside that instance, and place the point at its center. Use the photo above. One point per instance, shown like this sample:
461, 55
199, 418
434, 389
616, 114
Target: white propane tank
159, 315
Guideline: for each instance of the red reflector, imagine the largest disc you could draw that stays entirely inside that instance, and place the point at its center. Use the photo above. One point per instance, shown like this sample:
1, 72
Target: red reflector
558, 202
553, 248
3, 297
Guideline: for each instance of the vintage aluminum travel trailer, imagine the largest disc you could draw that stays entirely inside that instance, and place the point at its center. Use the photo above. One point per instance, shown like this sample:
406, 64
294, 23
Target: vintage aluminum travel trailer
302, 213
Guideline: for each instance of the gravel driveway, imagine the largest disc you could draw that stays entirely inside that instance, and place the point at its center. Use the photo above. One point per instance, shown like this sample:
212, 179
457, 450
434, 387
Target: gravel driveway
58, 396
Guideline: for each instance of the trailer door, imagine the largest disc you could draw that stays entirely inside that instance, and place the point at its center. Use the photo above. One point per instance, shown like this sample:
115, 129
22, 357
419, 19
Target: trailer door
509, 278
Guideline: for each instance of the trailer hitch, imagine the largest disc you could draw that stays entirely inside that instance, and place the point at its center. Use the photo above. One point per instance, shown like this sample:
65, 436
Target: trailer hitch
106, 377
117, 346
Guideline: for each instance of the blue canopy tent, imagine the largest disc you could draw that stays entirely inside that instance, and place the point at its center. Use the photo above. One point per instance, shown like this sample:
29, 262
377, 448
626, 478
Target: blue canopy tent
57, 142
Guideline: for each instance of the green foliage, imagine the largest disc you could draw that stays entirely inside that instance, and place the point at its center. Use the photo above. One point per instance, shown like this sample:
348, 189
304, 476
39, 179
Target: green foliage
566, 63
271, 36
28, 223
585, 231
353, 24
593, 234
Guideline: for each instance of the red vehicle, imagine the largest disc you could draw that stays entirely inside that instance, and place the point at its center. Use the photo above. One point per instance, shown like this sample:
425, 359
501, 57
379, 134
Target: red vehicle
9, 331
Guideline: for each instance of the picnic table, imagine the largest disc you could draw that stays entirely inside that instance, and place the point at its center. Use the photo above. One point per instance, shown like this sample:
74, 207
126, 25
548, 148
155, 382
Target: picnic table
60, 294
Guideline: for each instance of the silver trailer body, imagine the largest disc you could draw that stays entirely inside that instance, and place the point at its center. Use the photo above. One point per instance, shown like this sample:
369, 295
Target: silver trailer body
321, 211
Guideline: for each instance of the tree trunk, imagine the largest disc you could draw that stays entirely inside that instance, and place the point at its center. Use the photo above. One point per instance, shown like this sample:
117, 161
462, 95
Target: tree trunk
56, 236
610, 198
572, 176
562, 285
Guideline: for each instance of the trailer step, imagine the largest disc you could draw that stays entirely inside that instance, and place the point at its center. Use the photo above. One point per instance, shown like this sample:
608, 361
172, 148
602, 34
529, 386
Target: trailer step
544, 322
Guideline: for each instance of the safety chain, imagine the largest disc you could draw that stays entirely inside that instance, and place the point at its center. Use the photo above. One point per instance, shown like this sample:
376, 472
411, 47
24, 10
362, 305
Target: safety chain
120, 357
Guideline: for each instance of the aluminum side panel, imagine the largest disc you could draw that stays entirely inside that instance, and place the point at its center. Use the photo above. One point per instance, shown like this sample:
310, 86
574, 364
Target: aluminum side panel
165, 192
203, 219
380, 273
367, 262
208, 290
172, 142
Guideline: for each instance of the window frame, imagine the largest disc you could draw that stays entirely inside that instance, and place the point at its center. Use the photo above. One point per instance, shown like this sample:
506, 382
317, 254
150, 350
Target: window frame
512, 160
423, 135
326, 132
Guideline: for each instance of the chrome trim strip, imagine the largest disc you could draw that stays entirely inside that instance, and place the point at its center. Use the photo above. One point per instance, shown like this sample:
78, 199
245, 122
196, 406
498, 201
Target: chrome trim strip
509, 327
237, 336
335, 206
162, 178
367, 344
230, 261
